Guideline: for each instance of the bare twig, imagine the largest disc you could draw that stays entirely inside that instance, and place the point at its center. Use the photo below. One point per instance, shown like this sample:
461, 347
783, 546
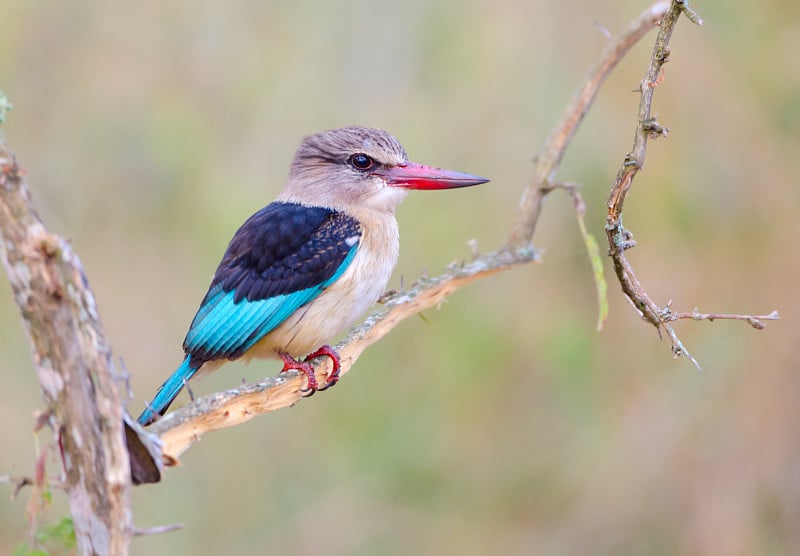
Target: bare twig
181, 428
549, 157
620, 239
18, 482
21, 482
756, 321
157, 530
73, 365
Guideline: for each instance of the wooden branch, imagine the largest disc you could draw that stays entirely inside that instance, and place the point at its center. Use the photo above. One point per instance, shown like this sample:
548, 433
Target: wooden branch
620, 239
546, 162
180, 429
756, 321
73, 365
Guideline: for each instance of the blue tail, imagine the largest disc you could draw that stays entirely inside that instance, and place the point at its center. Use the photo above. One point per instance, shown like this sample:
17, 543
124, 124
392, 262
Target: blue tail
168, 392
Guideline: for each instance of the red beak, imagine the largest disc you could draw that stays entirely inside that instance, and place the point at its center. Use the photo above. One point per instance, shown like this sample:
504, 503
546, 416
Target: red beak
416, 176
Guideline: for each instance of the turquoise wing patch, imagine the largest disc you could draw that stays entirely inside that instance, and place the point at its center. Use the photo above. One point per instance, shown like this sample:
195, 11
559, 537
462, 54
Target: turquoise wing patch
225, 328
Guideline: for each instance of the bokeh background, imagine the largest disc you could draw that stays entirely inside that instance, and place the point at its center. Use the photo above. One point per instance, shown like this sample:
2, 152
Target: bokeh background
501, 423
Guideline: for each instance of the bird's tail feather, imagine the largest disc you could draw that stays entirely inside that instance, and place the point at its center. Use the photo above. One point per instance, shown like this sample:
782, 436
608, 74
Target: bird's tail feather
168, 392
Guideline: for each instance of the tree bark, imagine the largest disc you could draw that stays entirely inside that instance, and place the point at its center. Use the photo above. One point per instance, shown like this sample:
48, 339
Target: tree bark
73, 363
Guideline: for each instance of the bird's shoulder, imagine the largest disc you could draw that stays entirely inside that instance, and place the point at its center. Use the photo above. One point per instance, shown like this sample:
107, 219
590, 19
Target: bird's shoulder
286, 247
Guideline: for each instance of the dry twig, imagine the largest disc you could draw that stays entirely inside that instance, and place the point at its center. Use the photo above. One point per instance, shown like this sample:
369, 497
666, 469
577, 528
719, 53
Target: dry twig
181, 428
620, 239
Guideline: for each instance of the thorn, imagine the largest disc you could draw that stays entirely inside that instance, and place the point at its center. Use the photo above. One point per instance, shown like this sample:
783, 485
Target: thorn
663, 56
630, 160
387, 295
125, 377
157, 529
473, 248
41, 419
188, 390
654, 129
156, 416
690, 13
600, 27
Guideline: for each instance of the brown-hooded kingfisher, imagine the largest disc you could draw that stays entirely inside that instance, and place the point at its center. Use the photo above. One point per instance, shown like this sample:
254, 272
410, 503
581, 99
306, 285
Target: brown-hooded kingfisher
304, 268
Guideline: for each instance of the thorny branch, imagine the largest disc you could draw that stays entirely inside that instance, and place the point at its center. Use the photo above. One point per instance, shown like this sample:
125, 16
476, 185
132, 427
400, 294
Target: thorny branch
620, 239
180, 429
548, 159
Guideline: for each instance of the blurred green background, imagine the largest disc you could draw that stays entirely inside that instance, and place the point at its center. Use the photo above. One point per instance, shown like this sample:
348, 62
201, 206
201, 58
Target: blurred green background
505, 424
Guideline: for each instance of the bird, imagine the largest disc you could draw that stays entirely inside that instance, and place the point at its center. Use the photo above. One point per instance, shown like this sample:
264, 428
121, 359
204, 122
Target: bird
303, 269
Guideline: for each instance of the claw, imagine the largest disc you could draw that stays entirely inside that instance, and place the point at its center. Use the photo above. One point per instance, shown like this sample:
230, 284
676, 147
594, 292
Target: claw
305, 367
328, 351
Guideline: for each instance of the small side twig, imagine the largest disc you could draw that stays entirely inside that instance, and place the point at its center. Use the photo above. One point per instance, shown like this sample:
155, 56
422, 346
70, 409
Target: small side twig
18, 482
157, 530
620, 239
756, 321
22, 482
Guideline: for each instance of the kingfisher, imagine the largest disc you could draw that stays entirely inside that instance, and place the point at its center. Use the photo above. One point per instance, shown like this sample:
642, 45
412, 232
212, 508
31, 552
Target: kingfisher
303, 269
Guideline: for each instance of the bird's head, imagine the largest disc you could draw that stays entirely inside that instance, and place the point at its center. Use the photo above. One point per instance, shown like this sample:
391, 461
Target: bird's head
359, 166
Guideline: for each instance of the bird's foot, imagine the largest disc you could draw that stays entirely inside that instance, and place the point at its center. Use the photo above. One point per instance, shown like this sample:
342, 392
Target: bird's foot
328, 351
290, 363
307, 368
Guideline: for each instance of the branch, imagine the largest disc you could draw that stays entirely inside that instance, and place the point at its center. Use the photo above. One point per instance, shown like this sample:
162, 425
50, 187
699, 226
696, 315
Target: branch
73, 365
180, 429
756, 321
620, 239
546, 162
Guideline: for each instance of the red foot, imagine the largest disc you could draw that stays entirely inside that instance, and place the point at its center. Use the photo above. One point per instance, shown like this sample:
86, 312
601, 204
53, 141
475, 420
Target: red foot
307, 369
328, 351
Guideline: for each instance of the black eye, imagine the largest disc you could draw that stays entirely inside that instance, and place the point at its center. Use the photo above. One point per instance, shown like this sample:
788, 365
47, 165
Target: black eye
360, 161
